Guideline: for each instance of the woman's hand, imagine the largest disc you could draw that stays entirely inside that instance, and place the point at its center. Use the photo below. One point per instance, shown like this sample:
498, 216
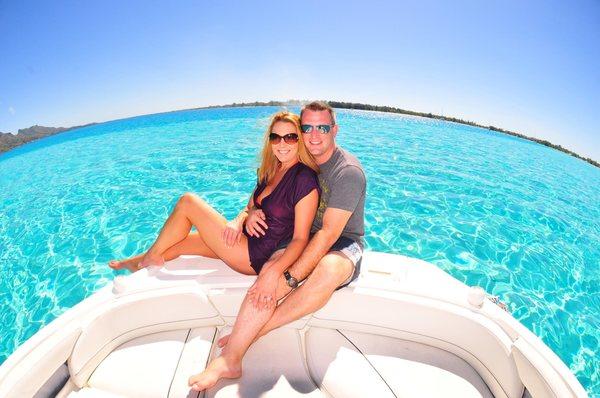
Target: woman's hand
263, 293
232, 233
255, 223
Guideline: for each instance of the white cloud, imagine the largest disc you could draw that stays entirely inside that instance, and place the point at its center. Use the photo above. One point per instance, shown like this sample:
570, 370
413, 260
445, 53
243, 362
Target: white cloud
11, 110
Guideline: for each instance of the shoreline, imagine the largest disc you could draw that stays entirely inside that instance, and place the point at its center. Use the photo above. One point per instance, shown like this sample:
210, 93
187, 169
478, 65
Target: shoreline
390, 109
10, 141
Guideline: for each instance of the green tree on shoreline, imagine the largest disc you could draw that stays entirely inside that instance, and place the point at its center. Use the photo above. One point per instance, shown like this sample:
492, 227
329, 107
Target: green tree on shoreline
9, 141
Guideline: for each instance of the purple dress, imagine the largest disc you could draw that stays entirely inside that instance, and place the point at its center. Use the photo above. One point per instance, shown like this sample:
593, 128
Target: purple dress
278, 207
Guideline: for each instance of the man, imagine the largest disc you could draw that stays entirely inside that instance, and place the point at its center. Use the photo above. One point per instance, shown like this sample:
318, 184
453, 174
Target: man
332, 258
330, 261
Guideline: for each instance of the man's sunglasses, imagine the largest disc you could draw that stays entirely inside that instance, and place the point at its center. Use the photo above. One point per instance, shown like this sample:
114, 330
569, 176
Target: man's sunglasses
322, 128
290, 138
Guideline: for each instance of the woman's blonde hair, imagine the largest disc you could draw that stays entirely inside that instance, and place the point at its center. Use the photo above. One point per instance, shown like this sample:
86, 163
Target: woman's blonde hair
269, 162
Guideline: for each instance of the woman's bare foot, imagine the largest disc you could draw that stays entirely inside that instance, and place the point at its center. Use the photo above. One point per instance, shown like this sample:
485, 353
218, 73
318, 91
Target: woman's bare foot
218, 368
151, 259
130, 263
222, 342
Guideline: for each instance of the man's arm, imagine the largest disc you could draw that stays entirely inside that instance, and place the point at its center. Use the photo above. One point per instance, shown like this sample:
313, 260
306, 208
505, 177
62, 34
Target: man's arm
345, 195
334, 221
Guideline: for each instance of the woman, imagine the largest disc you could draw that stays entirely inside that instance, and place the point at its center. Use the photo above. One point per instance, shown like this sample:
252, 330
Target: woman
285, 199
282, 207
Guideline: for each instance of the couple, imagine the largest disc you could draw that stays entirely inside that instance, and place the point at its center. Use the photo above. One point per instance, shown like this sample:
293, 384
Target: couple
303, 222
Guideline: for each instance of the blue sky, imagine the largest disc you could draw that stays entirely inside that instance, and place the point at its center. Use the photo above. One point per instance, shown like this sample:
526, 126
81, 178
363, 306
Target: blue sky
531, 67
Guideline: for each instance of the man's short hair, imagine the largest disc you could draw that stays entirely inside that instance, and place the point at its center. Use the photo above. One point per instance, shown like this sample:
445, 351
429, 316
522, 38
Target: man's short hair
317, 106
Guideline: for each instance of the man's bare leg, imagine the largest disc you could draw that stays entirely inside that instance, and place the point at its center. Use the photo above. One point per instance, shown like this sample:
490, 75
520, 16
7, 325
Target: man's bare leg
312, 295
282, 290
315, 292
229, 364
248, 323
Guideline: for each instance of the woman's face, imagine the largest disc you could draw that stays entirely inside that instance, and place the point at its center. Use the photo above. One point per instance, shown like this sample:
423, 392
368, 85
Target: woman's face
286, 152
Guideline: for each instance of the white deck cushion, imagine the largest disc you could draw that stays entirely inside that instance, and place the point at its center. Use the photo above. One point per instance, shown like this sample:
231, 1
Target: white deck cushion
155, 365
143, 366
273, 367
352, 364
418, 370
465, 333
339, 368
94, 393
193, 360
136, 315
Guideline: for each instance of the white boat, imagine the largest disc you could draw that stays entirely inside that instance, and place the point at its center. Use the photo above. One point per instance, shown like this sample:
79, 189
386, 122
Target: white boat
404, 329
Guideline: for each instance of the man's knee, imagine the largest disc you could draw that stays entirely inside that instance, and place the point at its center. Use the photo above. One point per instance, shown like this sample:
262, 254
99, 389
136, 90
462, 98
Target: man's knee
333, 269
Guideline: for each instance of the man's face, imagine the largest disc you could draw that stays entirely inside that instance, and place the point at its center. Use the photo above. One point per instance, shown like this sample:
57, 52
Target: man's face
321, 146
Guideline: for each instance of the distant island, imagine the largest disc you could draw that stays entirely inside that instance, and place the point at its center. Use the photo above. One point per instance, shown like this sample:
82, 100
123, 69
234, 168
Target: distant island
389, 109
9, 141
23, 136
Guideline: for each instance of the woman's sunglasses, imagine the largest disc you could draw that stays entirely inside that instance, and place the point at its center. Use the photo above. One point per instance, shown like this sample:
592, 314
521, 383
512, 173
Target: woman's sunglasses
322, 128
290, 138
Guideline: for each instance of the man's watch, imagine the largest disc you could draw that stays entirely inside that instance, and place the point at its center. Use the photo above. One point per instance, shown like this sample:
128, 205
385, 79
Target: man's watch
291, 281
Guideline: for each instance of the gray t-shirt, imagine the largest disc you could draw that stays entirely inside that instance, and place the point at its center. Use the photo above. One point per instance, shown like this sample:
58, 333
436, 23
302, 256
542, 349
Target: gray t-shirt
343, 186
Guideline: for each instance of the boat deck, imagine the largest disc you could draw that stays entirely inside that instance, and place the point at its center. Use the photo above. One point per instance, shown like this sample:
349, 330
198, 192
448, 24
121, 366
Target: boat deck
286, 363
404, 329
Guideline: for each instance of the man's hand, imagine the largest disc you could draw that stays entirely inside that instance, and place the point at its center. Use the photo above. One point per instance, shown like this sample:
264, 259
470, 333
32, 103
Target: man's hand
263, 293
232, 234
255, 223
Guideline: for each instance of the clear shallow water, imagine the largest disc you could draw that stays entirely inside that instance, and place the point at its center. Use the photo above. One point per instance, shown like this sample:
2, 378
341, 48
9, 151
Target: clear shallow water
517, 218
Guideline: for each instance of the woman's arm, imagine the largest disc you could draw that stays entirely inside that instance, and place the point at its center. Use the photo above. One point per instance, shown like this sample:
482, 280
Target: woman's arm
246, 210
232, 233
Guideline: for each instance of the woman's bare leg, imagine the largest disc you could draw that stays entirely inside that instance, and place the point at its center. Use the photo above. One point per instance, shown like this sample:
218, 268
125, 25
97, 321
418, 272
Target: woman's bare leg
193, 244
130, 263
192, 210
175, 229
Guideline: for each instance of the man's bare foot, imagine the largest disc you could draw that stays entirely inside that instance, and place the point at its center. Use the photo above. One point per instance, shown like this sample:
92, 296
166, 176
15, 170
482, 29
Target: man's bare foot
130, 263
218, 368
151, 259
222, 342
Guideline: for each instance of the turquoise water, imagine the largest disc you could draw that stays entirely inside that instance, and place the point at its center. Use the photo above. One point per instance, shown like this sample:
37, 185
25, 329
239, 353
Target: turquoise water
517, 218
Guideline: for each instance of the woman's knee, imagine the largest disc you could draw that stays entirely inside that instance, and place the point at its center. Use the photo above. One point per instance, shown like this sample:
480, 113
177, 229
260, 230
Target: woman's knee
188, 199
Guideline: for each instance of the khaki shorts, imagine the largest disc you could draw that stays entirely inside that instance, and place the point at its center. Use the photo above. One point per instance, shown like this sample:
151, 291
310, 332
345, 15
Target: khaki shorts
346, 246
